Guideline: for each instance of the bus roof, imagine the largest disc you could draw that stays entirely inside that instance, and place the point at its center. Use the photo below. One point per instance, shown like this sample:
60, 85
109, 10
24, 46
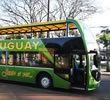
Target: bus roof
36, 27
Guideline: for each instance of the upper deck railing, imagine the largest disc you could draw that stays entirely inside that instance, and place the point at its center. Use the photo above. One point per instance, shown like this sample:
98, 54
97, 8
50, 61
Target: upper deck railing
36, 27
51, 27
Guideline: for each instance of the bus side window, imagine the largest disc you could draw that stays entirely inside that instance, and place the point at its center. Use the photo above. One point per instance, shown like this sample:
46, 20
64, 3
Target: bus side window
42, 60
62, 60
0, 57
38, 58
10, 59
3, 58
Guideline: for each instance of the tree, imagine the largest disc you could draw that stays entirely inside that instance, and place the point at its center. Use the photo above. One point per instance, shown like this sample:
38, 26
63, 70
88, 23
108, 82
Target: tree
30, 11
80, 9
105, 40
22, 11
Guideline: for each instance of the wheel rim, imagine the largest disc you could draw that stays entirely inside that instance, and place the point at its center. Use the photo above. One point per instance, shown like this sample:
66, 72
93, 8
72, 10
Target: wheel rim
45, 82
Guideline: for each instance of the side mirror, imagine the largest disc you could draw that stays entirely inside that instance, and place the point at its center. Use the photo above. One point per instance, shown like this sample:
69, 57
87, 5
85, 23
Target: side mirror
96, 60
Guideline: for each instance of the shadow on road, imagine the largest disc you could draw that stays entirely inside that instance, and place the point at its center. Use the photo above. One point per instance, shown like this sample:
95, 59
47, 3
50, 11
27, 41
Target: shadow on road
24, 89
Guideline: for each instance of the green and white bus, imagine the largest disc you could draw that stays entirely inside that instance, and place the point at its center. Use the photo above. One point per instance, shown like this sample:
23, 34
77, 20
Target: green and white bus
68, 61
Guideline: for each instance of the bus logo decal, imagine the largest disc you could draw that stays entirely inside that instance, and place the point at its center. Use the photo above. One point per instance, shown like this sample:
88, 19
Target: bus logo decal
20, 45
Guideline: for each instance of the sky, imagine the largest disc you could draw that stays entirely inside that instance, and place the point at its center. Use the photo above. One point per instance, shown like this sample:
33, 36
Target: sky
102, 18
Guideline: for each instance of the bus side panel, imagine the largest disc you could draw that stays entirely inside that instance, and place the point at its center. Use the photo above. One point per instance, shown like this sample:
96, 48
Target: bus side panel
3, 74
25, 74
93, 84
11, 73
29, 75
61, 83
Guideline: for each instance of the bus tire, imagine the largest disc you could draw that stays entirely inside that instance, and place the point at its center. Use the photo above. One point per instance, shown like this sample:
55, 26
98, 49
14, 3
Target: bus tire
45, 81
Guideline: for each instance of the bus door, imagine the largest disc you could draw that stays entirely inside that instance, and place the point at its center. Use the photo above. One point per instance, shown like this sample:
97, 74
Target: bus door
79, 70
62, 67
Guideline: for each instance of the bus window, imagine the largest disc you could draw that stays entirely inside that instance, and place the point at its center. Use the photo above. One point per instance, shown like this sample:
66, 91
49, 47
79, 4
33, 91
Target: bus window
74, 33
23, 59
10, 59
3, 58
0, 57
62, 60
43, 60
17, 59
28, 58
36, 59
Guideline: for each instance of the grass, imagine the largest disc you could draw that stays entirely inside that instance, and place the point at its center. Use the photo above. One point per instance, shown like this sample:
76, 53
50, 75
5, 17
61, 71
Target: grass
103, 67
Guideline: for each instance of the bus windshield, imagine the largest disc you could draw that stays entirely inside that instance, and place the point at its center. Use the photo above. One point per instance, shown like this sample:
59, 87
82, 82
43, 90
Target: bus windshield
89, 38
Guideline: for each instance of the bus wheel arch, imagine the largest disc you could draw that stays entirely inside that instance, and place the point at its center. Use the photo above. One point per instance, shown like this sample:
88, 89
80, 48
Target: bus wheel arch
44, 80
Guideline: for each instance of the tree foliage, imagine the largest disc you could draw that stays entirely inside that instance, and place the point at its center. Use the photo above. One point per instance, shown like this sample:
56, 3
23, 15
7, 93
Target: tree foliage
75, 8
22, 11
104, 39
31, 11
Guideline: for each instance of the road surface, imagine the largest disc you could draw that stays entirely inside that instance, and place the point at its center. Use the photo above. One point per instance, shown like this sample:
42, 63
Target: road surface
16, 91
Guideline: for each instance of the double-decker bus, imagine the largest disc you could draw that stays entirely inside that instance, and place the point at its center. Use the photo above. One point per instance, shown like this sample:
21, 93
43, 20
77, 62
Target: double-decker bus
68, 60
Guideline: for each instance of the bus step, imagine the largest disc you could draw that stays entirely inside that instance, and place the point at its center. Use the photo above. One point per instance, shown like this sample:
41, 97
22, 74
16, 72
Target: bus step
78, 88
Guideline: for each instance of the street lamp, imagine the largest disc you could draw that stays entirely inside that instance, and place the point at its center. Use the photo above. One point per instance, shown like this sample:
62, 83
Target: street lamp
48, 9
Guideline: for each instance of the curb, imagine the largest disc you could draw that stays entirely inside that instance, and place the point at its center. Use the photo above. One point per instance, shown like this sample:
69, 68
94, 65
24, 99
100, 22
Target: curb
105, 73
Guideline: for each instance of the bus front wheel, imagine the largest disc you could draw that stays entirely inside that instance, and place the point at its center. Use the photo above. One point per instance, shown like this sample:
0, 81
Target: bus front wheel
45, 81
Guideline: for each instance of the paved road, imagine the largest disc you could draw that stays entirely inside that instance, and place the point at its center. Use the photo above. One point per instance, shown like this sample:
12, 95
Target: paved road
13, 91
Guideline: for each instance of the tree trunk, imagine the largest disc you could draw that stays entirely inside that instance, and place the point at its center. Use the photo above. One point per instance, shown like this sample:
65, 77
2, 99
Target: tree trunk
107, 54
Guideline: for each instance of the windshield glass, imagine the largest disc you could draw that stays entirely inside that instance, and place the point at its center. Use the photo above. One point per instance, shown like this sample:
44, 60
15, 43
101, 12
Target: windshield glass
88, 34
89, 38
